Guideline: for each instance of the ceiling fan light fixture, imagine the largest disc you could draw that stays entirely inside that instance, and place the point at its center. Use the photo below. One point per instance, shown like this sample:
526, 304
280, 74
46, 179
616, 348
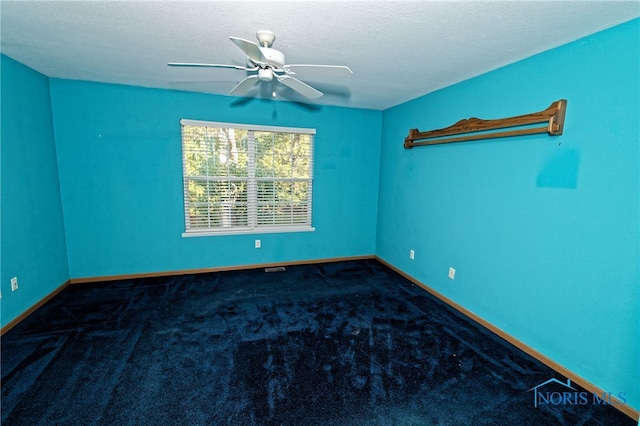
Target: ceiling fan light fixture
265, 74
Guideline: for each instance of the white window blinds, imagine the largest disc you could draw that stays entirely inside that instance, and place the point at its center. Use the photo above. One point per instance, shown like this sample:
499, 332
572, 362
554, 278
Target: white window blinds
240, 179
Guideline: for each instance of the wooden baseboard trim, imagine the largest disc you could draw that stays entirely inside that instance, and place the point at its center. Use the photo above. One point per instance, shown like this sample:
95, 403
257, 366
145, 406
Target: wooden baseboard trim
86, 280
33, 308
624, 408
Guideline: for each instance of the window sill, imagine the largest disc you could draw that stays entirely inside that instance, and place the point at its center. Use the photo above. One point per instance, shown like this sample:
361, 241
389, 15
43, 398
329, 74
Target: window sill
239, 231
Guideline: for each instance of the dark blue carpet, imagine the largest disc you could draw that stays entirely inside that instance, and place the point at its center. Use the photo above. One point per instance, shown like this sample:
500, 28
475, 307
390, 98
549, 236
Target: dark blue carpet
345, 343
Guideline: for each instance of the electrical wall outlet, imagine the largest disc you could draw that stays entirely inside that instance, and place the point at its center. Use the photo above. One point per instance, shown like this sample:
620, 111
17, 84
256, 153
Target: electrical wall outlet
14, 283
258, 244
452, 273
412, 254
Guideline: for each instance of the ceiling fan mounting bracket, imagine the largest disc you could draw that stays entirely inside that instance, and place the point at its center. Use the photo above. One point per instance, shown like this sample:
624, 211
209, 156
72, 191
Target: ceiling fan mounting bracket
265, 37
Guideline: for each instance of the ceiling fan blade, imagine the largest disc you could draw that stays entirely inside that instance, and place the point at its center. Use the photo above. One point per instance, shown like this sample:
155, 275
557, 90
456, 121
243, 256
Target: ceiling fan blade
300, 87
243, 87
333, 71
251, 49
190, 64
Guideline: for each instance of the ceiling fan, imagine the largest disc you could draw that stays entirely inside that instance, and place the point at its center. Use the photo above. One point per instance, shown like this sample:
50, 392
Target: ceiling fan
269, 64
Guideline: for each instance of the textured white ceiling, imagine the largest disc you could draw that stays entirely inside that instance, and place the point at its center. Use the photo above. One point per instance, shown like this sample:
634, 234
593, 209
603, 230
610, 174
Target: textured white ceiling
398, 50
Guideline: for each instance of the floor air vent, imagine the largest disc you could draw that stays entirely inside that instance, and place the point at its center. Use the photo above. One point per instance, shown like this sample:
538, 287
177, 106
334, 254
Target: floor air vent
275, 269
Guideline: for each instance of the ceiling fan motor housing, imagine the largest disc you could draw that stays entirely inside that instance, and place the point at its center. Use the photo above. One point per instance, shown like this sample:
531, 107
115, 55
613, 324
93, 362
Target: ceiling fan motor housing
275, 58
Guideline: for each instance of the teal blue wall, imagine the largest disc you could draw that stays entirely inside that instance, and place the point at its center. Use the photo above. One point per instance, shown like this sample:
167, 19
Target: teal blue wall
32, 237
119, 151
542, 231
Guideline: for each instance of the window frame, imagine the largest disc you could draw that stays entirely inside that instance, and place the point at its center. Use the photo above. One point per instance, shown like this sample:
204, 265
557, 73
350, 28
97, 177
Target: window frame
252, 181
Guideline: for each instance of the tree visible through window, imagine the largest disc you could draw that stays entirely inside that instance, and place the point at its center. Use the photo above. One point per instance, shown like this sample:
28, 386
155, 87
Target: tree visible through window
246, 178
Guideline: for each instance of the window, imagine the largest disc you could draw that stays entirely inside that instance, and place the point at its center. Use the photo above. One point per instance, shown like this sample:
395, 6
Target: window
246, 179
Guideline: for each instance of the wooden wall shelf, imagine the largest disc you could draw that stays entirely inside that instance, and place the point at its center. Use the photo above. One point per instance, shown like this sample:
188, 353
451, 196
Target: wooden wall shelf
553, 116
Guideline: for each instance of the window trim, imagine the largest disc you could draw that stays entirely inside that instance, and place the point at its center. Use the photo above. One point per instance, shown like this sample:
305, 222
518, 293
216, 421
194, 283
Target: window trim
257, 127
245, 231
265, 229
